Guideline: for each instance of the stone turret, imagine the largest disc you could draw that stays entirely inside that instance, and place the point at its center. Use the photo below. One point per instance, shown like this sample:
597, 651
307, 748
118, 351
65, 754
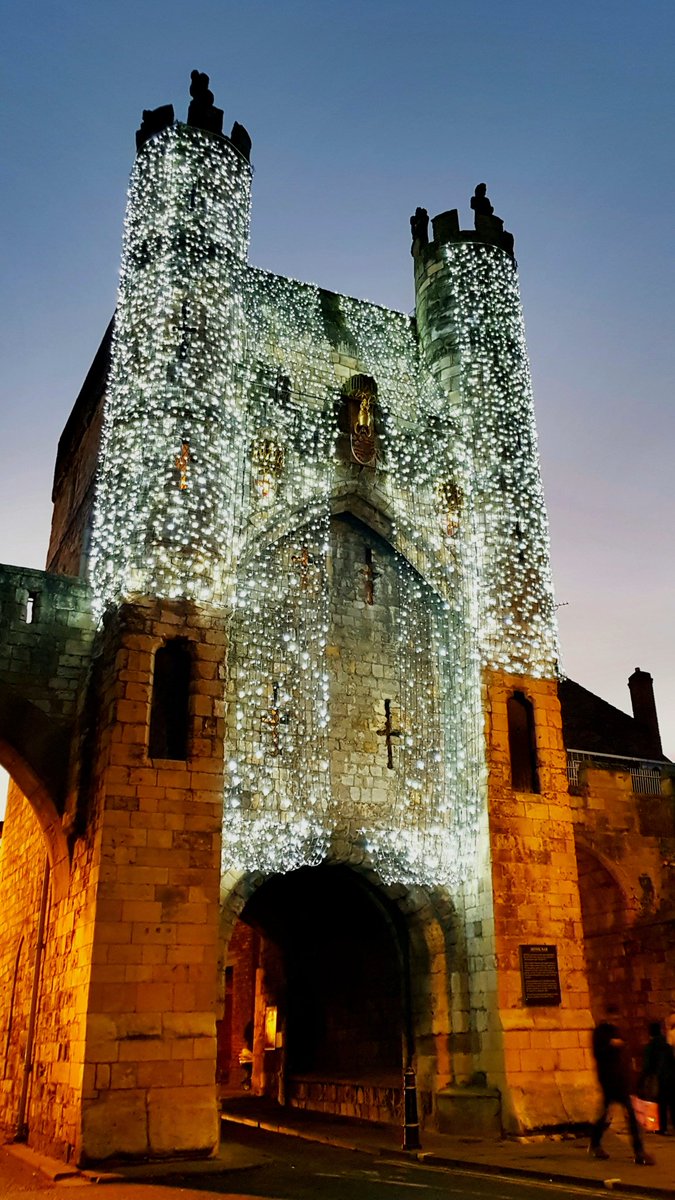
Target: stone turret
472, 344
472, 341
162, 521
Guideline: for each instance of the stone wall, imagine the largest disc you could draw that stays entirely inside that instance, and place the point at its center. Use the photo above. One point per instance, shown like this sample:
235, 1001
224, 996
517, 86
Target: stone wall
46, 650
545, 1052
75, 470
124, 1059
626, 851
238, 1002
150, 1053
365, 664
53, 1111
359, 1101
22, 863
73, 505
46, 638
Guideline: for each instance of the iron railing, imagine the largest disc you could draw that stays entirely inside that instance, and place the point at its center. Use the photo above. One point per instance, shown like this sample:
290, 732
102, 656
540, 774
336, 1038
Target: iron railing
645, 773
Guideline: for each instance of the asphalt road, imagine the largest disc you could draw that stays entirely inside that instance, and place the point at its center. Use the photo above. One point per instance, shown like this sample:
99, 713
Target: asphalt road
297, 1170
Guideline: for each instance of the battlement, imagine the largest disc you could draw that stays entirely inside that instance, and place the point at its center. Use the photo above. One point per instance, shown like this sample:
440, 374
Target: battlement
202, 114
489, 229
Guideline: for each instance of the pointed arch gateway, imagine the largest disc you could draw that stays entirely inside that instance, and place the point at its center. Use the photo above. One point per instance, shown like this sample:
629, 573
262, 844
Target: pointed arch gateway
342, 743
334, 982
605, 919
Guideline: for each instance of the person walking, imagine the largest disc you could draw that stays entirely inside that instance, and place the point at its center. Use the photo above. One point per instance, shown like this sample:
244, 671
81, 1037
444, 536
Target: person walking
611, 1062
658, 1065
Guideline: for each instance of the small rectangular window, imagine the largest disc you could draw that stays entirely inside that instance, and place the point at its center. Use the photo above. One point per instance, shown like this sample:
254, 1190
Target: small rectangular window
31, 610
169, 710
522, 744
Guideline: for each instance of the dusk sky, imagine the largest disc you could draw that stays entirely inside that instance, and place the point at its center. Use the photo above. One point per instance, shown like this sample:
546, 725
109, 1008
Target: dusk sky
358, 113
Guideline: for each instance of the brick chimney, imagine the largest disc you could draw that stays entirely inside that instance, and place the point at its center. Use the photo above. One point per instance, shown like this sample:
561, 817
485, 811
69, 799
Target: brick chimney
641, 687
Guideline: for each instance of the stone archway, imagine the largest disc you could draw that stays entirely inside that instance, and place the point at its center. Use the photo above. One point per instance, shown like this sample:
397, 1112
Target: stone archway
320, 962
41, 801
358, 973
604, 918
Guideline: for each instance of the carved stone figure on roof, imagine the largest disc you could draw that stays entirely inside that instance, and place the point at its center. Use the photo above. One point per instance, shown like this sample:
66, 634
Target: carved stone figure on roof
480, 203
419, 228
202, 113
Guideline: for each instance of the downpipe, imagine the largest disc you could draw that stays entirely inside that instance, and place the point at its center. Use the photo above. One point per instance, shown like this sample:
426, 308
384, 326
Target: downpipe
411, 1122
21, 1133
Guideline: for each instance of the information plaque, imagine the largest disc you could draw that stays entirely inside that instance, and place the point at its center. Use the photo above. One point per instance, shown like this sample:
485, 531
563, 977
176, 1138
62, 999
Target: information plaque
541, 981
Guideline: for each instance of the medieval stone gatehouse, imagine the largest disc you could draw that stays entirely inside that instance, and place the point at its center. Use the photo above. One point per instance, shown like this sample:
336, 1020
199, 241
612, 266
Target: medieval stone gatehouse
282, 714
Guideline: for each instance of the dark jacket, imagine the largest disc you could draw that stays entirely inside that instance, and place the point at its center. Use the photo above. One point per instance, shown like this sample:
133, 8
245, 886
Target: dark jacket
659, 1061
611, 1060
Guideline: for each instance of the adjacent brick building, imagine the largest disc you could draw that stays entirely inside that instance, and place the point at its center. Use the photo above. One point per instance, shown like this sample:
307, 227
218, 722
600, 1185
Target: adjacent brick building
293, 769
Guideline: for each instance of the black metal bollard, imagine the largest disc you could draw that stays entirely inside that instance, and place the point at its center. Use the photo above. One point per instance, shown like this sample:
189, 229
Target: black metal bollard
411, 1125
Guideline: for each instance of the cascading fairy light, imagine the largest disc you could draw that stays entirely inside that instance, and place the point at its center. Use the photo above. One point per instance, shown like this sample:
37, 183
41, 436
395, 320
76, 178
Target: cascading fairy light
424, 447
161, 528
217, 474
278, 784
278, 781
278, 770
517, 627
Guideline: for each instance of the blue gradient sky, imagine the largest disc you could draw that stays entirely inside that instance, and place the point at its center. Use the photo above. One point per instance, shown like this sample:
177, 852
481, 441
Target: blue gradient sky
358, 113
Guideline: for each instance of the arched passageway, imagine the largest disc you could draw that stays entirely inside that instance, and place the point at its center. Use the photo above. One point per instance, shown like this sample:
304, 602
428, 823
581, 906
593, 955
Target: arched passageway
603, 912
40, 800
316, 987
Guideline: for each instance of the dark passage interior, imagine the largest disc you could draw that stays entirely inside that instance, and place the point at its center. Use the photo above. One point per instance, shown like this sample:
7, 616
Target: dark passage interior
604, 924
320, 947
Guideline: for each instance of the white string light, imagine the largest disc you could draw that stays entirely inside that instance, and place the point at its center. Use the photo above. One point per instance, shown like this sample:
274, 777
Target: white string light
217, 479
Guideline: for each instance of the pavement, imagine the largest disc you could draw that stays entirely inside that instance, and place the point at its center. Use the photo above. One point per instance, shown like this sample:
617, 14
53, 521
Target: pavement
24, 1170
557, 1159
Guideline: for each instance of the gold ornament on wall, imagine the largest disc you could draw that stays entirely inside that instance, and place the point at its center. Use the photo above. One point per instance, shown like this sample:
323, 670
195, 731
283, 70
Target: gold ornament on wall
449, 498
362, 393
182, 465
267, 457
273, 719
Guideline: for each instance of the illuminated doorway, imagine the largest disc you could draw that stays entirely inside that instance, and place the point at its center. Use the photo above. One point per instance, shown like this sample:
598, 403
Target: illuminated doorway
318, 991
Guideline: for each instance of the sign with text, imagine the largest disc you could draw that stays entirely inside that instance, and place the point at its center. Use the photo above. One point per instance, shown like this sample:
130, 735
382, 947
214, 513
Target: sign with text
539, 969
